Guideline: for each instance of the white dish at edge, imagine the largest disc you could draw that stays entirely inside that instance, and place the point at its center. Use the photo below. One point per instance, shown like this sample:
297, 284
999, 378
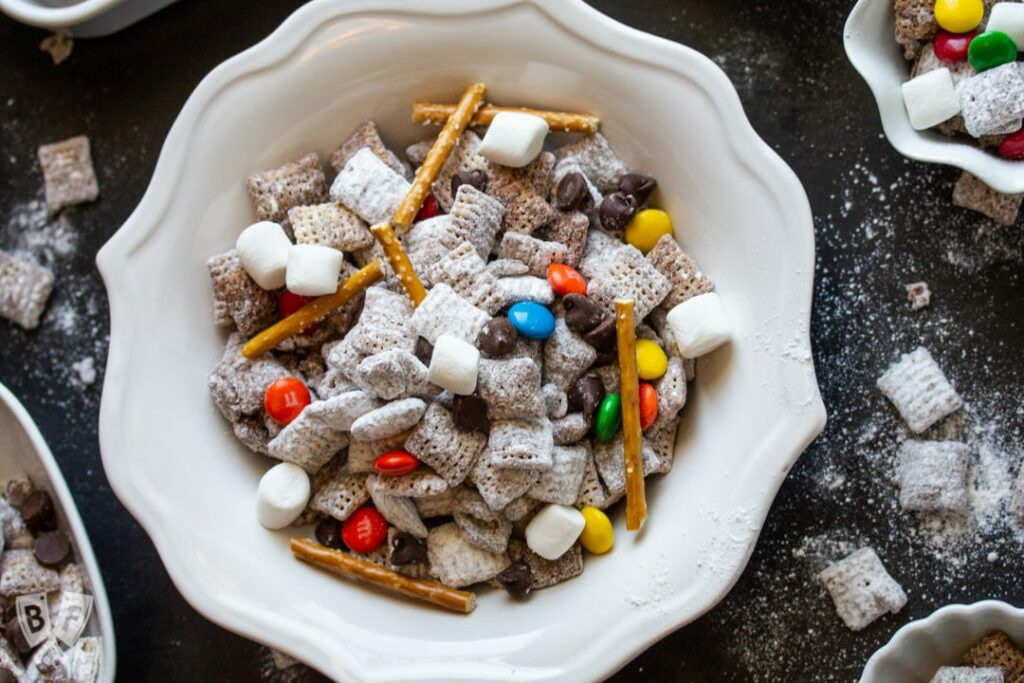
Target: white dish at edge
25, 452
84, 18
755, 405
871, 46
917, 650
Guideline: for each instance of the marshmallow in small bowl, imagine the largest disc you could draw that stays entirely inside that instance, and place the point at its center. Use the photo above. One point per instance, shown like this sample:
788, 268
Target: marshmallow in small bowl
930, 99
699, 325
313, 269
282, 495
514, 139
263, 252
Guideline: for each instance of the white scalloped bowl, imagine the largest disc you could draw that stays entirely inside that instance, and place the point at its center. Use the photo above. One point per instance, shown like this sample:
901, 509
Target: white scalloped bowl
874, 52
917, 650
670, 111
25, 452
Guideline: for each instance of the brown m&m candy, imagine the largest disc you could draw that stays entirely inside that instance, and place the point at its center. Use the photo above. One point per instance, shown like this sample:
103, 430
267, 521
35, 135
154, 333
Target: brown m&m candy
51, 548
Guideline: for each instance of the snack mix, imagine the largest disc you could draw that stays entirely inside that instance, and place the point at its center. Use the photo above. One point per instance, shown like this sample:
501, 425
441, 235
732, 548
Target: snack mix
459, 368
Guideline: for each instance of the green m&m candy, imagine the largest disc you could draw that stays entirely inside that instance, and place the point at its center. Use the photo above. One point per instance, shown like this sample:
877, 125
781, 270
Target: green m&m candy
608, 417
991, 49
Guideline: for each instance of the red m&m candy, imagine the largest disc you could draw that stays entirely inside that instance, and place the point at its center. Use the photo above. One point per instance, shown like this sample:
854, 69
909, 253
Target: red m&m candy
952, 47
395, 463
365, 531
1013, 146
648, 405
429, 209
285, 399
289, 303
566, 280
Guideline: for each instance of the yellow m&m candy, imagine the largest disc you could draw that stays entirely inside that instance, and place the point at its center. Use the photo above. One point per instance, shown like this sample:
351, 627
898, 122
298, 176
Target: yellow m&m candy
959, 16
647, 227
597, 536
651, 361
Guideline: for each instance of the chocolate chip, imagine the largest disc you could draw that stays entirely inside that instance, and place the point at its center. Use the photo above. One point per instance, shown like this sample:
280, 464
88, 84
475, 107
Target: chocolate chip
51, 548
616, 210
37, 511
586, 394
638, 186
16, 637
8, 676
470, 414
476, 178
497, 338
572, 193
10, 612
602, 337
517, 579
328, 533
582, 314
406, 549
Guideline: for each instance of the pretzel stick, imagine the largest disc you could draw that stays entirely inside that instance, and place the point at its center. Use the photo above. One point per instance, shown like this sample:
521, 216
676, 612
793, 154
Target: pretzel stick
358, 569
400, 263
455, 123
636, 504
430, 112
314, 311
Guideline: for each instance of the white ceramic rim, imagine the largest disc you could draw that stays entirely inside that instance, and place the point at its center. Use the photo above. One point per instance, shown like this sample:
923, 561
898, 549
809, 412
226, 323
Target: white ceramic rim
791, 437
928, 626
862, 49
101, 606
34, 14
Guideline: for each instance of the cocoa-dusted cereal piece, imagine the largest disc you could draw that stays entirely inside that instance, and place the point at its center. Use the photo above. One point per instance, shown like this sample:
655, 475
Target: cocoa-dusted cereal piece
477, 217
21, 574
438, 444
311, 440
570, 229
561, 483
566, 356
445, 312
687, 279
511, 388
466, 273
68, 173
238, 384
569, 429
556, 402
296, 183
547, 573
915, 25
525, 209
525, 288
933, 476
971, 193
382, 324
399, 512
367, 135
671, 390
535, 253
369, 187
499, 486
521, 444
999, 651
24, 290
423, 483
391, 374
339, 495
919, 390
476, 179
630, 276
598, 160
330, 225
237, 298
390, 419
487, 534
455, 562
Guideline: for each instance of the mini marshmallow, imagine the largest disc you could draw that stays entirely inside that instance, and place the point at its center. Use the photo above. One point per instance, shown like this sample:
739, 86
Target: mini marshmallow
263, 251
699, 325
553, 531
514, 139
282, 495
930, 99
1008, 17
313, 269
454, 365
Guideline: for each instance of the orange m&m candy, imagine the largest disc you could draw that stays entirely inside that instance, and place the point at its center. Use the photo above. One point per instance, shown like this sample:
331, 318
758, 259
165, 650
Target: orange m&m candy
566, 280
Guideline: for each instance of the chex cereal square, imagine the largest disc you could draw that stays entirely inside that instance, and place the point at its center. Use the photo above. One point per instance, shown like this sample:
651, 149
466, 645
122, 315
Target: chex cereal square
296, 183
68, 173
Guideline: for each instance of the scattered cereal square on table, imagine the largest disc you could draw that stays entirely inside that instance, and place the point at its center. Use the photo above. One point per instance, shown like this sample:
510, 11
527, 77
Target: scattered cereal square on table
448, 451
499, 486
862, 589
999, 651
340, 495
971, 193
330, 225
398, 511
630, 276
993, 100
487, 534
687, 279
24, 290
919, 294
68, 173
561, 483
535, 253
919, 390
456, 562
235, 293
566, 356
445, 312
511, 387
1017, 502
599, 161
477, 217
965, 674
367, 135
296, 183
369, 188
547, 573
933, 476
521, 444
21, 574
570, 229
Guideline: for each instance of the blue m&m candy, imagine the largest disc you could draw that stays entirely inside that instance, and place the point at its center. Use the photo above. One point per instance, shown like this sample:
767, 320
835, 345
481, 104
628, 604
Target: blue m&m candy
531, 320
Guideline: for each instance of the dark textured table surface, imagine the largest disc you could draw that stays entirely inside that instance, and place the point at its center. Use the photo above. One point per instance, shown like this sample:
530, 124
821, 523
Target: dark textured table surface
881, 222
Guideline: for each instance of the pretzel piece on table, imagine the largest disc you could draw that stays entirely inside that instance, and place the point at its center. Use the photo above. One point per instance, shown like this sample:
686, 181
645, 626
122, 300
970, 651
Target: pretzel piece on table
632, 435
355, 568
573, 122
314, 311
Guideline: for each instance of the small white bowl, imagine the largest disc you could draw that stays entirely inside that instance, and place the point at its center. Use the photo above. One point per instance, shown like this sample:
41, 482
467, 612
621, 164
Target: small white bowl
872, 49
918, 649
83, 18
738, 208
25, 452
